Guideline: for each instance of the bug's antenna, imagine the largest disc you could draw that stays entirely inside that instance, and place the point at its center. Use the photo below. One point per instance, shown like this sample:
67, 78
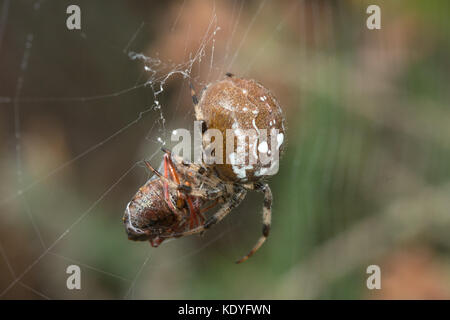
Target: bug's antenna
149, 166
193, 94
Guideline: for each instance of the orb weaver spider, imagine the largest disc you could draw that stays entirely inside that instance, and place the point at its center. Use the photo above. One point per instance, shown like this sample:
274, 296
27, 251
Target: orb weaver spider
172, 204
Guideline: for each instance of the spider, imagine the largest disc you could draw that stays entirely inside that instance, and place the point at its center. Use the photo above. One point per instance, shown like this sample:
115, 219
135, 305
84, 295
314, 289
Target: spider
173, 204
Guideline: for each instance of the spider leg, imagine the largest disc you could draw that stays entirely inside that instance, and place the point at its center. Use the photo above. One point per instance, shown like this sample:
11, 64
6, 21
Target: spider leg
186, 167
226, 208
267, 217
197, 172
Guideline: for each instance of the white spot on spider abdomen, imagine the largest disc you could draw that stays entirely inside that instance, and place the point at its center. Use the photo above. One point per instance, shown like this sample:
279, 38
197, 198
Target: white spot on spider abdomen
280, 139
268, 171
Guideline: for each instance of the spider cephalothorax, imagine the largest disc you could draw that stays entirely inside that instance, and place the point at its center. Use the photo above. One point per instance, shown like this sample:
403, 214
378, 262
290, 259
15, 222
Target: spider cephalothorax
173, 204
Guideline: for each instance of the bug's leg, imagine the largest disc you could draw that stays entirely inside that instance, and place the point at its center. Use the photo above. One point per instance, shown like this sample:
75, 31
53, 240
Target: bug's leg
195, 102
193, 215
169, 166
193, 94
267, 216
203, 210
165, 179
166, 186
162, 177
168, 169
232, 203
193, 212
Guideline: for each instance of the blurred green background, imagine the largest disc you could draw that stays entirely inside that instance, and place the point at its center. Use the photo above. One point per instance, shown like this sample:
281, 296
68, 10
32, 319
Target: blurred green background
365, 178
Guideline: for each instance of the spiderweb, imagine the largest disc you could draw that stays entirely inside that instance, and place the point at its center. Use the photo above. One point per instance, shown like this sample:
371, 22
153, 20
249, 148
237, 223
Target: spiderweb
80, 110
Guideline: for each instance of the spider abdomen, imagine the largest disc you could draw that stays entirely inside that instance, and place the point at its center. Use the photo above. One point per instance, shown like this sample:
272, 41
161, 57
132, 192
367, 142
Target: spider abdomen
239, 107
